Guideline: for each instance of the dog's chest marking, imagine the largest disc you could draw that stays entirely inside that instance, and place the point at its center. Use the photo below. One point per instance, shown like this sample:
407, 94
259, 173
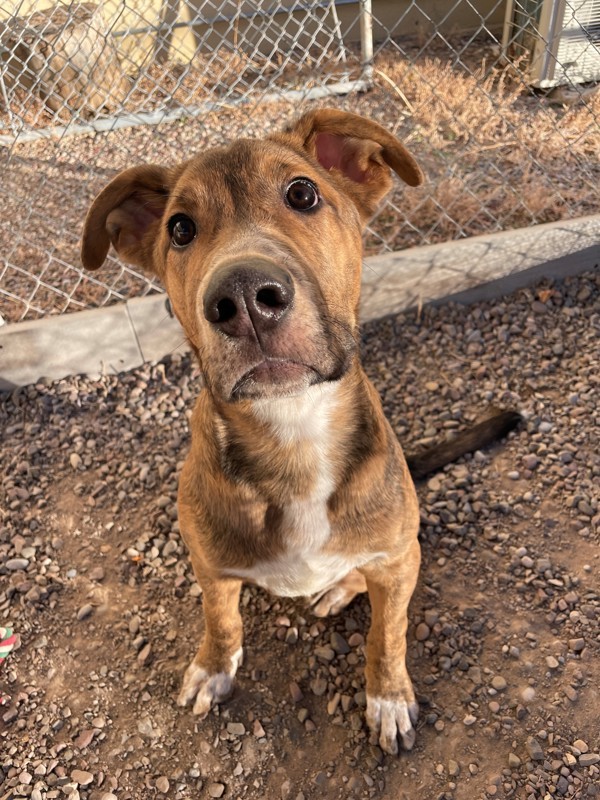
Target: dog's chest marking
303, 569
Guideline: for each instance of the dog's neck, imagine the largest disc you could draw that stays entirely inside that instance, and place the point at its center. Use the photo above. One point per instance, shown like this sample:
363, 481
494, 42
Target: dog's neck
302, 417
293, 446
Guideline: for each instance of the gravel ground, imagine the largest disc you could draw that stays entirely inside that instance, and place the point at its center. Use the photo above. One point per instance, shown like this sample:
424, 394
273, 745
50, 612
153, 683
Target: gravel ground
504, 636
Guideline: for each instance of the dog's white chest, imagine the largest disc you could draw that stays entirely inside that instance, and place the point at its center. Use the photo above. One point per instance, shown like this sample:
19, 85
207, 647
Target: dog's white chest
304, 568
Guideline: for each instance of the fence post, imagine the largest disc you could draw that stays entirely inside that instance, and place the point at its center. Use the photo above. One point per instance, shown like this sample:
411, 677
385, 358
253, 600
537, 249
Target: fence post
366, 39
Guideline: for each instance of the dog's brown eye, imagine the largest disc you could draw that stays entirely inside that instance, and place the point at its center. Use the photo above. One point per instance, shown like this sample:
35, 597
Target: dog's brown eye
302, 194
182, 230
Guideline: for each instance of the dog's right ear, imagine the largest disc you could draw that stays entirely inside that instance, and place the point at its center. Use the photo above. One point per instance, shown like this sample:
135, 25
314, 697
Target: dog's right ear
127, 214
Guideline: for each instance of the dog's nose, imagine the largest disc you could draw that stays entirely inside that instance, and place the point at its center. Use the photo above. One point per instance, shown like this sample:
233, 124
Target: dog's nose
243, 300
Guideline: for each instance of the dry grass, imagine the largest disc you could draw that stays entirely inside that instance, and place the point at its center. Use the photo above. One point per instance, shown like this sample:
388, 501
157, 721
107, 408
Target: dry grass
497, 156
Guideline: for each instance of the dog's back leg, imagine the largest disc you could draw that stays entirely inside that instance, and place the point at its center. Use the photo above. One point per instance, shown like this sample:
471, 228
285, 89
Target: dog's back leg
333, 600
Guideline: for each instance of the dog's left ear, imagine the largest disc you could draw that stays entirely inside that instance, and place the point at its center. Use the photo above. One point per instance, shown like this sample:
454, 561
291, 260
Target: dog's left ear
359, 152
127, 214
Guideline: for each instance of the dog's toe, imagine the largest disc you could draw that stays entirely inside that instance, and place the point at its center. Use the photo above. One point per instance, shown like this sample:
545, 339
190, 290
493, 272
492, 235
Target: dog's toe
194, 676
208, 689
333, 600
390, 720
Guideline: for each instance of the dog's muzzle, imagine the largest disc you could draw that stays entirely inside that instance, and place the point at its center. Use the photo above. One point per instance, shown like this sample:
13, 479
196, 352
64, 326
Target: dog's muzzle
248, 298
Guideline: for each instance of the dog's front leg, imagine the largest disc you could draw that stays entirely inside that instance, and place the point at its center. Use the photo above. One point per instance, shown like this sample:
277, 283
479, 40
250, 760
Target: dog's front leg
210, 676
391, 706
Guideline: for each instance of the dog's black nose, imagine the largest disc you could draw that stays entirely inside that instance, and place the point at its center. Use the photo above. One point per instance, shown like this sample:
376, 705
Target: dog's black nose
244, 300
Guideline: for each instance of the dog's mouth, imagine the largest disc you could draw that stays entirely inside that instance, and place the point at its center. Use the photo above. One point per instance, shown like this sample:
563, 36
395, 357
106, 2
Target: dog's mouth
275, 377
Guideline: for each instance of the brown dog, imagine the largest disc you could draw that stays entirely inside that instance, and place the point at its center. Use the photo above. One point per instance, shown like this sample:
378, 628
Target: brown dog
295, 480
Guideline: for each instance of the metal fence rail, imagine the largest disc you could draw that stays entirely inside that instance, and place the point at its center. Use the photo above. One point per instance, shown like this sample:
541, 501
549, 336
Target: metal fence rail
88, 89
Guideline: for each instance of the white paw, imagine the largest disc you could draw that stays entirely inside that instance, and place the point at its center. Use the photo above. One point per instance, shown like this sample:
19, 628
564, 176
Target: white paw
207, 689
390, 719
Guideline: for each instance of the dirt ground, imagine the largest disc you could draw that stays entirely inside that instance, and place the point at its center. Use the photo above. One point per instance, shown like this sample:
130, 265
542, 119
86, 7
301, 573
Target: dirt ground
504, 636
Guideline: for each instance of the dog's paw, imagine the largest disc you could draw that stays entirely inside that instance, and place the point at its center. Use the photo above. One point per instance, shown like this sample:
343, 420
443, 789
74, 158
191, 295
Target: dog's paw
333, 600
207, 688
389, 720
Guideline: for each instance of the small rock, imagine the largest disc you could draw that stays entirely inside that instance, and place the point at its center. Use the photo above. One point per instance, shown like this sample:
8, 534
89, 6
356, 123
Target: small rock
422, 632
145, 655
571, 693
84, 739
587, 759
236, 728
333, 704
499, 683
11, 714
291, 635
552, 662
134, 625
162, 784
16, 564
530, 461
577, 645
258, 730
513, 760
296, 692
85, 611
582, 746
216, 789
81, 777
318, 686
339, 644
324, 653
75, 460
453, 768
534, 749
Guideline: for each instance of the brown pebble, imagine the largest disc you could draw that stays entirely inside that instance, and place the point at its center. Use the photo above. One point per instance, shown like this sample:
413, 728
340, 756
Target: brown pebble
145, 655
82, 777
84, 739
85, 611
422, 632
296, 692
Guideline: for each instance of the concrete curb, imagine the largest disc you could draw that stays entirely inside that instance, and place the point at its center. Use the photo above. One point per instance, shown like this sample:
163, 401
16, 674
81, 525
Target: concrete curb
123, 336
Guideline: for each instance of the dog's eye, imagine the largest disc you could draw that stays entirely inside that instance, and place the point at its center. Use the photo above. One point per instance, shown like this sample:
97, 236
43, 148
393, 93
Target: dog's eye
182, 230
302, 194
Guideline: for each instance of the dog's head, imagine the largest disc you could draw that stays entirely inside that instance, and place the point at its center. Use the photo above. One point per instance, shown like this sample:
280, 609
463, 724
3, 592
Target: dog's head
259, 247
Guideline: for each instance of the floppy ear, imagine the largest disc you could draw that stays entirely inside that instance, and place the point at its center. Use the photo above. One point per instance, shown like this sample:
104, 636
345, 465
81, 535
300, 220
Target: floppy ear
358, 151
127, 214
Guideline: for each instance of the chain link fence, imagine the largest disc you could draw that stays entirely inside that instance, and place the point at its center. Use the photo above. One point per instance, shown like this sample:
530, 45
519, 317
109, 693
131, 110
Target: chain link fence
497, 99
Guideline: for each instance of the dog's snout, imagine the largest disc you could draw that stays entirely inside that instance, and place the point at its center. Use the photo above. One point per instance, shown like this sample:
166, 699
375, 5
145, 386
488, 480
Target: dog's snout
245, 299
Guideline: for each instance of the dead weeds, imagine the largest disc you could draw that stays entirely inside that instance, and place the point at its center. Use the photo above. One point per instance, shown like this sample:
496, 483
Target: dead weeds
496, 154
